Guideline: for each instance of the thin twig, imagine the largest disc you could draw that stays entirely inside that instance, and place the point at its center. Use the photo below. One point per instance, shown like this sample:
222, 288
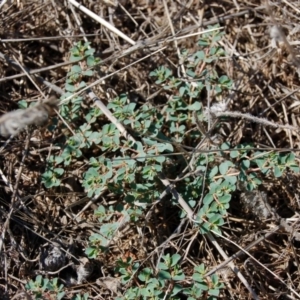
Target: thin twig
102, 21
236, 114
14, 196
262, 265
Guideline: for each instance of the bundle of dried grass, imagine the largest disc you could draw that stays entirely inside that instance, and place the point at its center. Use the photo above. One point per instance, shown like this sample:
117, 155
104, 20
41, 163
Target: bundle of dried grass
13, 122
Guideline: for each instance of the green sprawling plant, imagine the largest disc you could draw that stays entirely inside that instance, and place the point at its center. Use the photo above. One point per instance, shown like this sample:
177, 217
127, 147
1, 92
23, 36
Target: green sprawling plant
131, 170
43, 288
170, 277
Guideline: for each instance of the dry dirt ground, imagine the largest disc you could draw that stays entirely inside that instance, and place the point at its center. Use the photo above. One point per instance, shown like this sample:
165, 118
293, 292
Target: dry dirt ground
261, 60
